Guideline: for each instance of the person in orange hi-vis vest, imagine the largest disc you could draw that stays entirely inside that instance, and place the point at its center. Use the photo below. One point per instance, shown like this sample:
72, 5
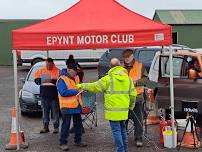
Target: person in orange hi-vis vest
46, 77
70, 106
80, 74
139, 76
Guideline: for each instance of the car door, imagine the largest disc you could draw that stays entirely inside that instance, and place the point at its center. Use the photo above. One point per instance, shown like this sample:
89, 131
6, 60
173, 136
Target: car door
184, 89
154, 69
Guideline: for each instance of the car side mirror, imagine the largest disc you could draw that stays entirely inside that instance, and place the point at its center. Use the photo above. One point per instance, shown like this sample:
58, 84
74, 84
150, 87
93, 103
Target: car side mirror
22, 80
192, 74
37, 81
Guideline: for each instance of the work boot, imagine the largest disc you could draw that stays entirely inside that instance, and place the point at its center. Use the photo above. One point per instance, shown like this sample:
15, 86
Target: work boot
56, 130
138, 142
64, 147
81, 144
44, 130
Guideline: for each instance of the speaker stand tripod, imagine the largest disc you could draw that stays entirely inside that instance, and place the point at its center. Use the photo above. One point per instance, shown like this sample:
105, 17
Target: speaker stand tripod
191, 120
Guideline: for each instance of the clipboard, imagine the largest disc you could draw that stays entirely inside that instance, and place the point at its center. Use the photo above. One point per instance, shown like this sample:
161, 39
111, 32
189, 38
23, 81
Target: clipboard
45, 77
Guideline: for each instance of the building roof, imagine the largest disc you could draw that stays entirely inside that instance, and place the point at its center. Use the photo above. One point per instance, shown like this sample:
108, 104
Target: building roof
179, 16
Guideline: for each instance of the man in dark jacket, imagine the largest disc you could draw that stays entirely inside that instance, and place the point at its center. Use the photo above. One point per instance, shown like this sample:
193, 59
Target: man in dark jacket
46, 77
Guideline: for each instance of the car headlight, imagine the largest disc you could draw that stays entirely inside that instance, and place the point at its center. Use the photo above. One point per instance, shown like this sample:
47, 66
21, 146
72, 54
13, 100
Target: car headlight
26, 94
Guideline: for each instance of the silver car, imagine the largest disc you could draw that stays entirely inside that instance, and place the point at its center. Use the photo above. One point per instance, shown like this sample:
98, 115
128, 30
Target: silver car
29, 97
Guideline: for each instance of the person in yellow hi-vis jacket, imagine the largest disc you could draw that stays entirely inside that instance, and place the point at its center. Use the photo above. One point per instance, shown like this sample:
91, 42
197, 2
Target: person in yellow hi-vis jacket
120, 95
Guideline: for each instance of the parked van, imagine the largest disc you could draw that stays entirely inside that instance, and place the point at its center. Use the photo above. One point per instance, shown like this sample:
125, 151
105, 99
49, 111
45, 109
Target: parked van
87, 57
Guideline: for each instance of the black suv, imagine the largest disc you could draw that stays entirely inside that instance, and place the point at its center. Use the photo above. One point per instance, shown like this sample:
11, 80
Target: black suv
144, 55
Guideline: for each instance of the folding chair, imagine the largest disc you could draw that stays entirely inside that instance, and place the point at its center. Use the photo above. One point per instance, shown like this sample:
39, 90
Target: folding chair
89, 112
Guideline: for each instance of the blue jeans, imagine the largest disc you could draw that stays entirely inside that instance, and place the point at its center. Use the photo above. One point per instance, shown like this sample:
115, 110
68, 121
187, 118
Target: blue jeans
120, 135
47, 106
66, 121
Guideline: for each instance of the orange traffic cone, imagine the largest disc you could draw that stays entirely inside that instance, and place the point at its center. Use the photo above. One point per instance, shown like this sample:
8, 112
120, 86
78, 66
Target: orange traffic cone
12, 145
188, 140
152, 117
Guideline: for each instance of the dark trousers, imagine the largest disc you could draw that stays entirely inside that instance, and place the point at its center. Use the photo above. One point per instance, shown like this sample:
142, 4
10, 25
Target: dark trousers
66, 121
137, 118
49, 105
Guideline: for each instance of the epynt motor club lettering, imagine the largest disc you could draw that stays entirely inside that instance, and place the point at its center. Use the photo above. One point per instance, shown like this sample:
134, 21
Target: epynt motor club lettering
90, 39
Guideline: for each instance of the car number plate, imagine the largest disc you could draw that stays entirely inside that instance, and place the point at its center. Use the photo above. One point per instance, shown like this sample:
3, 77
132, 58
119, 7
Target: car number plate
39, 102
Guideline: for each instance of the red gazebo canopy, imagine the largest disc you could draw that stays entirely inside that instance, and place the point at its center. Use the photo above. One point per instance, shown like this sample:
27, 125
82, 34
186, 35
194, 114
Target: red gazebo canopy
92, 24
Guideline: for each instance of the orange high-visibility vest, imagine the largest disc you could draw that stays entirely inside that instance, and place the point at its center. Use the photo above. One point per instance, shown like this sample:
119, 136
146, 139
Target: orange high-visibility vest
54, 73
73, 101
136, 74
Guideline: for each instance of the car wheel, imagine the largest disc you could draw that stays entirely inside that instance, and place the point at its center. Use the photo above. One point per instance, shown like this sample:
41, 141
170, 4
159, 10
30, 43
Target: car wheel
36, 61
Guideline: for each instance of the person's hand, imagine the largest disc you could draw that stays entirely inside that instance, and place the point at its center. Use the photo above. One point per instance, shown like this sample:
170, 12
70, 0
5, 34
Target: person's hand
150, 91
131, 113
131, 108
79, 87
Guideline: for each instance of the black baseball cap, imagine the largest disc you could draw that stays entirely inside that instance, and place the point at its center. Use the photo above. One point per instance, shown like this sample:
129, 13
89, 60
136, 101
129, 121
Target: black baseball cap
127, 52
73, 66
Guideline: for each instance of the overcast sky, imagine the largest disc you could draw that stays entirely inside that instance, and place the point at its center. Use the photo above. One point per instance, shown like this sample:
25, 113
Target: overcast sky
42, 9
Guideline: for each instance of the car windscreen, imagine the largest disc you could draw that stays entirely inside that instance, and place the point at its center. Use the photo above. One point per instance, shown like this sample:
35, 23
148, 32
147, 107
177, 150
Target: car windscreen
146, 56
34, 69
115, 54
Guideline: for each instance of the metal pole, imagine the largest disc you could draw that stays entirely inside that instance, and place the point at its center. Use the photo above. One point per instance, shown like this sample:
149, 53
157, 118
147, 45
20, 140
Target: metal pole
47, 54
16, 96
172, 92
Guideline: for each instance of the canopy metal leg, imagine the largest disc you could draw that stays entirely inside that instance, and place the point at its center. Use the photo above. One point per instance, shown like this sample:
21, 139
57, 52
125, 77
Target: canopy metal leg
172, 93
16, 96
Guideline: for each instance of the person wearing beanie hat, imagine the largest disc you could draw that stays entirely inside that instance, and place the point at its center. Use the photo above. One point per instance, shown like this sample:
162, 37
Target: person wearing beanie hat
70, 106
80, 72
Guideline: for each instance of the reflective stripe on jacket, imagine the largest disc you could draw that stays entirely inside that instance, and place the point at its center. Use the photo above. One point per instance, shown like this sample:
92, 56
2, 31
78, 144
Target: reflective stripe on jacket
117, 98
136, 74
73, 101
118, 88
53, 74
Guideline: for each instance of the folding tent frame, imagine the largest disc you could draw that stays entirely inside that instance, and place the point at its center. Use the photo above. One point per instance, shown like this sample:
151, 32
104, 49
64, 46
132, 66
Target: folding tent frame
39, 35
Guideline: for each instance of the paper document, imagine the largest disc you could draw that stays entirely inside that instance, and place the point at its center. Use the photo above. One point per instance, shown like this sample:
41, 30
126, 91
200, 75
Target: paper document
80, 92
45, 77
